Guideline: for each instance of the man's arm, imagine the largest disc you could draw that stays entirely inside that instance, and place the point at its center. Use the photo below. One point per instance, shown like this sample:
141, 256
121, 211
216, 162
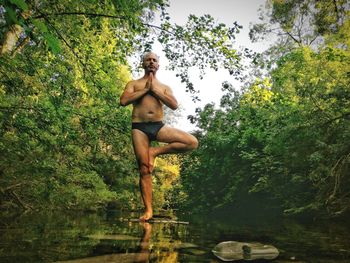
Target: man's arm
165, 95
130, 95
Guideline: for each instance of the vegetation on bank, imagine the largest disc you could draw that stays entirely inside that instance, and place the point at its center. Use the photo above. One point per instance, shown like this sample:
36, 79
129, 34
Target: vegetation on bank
64, 139
281, 141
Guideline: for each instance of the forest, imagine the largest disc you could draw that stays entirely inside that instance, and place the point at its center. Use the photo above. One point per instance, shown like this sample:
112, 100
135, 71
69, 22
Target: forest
279, 142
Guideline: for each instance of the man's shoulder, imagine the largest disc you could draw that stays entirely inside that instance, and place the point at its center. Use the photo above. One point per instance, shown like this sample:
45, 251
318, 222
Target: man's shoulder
137, 81
133, 82
162, 85
165, 86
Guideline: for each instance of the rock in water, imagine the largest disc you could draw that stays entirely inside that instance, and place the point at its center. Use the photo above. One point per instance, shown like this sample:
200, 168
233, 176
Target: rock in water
233, 250
229, 251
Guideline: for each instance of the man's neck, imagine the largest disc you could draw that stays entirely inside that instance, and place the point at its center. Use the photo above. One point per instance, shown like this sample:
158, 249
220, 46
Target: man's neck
148, 73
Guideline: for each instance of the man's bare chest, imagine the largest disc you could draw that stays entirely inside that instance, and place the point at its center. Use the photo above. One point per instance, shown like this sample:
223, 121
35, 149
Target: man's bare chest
141, 85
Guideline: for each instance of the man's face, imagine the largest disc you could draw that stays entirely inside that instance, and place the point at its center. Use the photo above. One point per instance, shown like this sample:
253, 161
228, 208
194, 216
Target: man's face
151, 63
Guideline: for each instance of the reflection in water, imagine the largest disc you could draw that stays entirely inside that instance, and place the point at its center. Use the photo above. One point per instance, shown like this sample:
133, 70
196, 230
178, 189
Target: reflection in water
143, 255
158, 249
86, 238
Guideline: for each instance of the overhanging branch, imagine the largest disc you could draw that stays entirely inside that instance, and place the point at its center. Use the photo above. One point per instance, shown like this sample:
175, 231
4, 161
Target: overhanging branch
44, 16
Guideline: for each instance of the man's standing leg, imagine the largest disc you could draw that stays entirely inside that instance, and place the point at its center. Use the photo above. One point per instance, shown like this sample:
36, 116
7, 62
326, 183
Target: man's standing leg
141, 148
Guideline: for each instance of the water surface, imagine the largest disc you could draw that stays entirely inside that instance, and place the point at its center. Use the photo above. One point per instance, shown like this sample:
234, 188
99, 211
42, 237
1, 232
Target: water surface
106, 237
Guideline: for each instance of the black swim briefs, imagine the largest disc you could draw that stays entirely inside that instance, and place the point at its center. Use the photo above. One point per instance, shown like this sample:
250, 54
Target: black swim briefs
151, 129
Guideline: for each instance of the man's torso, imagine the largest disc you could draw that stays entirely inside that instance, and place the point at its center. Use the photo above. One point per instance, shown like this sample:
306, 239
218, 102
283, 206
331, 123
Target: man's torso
148, 108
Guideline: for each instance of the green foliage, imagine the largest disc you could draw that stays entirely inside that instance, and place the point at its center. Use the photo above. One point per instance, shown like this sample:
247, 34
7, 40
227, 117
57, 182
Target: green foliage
20, 4
201, 42
64, 140
284, 141
294, 24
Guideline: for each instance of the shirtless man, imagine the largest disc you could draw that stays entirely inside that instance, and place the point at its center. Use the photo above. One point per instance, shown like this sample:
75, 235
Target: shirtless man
148, 95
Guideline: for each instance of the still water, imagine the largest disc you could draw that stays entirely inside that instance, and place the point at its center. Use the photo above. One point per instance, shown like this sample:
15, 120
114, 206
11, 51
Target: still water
107, 237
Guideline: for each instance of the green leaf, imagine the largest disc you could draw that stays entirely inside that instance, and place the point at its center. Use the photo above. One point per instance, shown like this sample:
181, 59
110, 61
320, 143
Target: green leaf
41, 26
20, 4
10, 15
53, 43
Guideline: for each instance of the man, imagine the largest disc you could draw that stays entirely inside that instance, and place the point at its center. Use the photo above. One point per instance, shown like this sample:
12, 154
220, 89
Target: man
148, 95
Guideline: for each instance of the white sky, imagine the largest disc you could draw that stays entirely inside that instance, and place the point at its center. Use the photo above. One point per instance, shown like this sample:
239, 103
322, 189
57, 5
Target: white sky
225, 11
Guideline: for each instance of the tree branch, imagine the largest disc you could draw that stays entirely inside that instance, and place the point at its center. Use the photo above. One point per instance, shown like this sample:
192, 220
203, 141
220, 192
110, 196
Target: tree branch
19, 201
64, 40
10, 187
296, 40
42, 15
343, 116
20, 46
95, 15
336, 10
312, 40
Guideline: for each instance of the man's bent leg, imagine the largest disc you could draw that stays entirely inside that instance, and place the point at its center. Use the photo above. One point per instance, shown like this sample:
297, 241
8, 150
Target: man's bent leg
141, 148
178, 142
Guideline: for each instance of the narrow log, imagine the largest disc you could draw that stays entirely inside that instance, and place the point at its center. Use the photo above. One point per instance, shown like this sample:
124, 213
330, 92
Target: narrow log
156, 220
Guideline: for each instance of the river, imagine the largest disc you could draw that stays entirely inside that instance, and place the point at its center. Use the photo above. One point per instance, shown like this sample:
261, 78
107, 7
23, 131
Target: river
108, 237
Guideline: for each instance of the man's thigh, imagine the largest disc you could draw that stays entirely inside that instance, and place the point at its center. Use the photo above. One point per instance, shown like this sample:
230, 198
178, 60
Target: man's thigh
141, 145
168, 135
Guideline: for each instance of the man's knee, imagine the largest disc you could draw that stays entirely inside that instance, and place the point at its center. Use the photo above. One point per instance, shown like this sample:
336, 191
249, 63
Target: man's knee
193, 144
144, 169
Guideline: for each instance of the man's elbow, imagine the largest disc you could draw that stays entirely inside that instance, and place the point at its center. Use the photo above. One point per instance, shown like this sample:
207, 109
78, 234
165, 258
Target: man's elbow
174, 106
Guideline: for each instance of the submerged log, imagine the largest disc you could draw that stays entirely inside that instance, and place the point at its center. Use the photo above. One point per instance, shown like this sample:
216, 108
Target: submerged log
156, 220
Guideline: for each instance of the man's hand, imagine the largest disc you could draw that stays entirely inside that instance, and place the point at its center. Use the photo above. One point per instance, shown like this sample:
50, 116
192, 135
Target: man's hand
149, 82
130, 95
153, 88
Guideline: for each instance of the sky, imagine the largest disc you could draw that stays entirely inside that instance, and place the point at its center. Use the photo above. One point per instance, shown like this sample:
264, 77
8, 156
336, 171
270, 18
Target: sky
224, 11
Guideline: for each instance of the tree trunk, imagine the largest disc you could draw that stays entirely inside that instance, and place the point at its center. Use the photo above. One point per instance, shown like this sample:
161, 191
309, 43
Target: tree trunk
10, 39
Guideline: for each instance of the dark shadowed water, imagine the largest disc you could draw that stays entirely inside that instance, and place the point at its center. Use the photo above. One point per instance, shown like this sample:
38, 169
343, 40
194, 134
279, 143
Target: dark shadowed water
104, 237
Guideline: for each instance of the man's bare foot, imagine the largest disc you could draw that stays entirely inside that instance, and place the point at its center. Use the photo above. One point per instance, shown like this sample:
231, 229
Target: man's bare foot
146, 216
151, 158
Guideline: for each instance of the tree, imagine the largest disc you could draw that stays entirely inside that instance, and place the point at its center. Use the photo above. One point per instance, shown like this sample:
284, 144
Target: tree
64, 139
284, 139
295, 23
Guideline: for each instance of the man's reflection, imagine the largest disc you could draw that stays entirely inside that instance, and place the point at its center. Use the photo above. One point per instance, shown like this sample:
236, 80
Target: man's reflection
144, 254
